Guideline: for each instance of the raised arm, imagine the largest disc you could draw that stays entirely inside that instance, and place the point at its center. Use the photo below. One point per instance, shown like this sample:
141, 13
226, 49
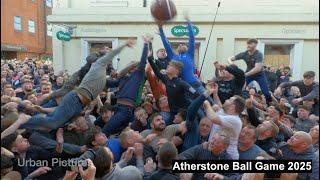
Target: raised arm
143, 60
105, 60
193, 107
236, 57
165, 41
155, 69
15, 126
314, 94
237, 73
191, 43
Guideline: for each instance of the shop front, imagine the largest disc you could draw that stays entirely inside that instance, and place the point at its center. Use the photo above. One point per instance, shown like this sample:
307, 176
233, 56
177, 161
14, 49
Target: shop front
283, 41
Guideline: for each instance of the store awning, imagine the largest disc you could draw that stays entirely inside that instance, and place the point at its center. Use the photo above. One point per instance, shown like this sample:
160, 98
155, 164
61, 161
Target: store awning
8, 47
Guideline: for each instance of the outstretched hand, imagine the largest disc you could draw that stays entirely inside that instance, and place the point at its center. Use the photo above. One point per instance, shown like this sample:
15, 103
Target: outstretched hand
216, 64
186, 15
59, 136
159, 23
147, 38
212, 87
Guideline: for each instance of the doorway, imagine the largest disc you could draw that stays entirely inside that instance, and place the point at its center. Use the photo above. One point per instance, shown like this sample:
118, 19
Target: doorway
278, 52
90, 45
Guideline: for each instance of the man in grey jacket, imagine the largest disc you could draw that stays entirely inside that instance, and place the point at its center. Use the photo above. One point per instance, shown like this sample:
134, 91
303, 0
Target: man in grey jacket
73, 103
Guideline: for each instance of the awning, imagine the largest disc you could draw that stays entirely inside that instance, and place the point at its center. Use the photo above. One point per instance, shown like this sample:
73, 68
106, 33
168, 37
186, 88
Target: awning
8, 47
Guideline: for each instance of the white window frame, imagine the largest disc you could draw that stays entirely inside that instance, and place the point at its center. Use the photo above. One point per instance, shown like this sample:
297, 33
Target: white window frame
14, 23
85, 49
49, 32
296, 54
30, 27
49, 3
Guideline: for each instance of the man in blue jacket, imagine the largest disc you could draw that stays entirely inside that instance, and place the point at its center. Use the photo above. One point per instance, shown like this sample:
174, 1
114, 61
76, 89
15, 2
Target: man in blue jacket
129, 86
185, 55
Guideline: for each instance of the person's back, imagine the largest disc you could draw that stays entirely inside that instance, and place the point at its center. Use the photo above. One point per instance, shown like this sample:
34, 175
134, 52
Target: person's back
188, 70
234, 130
304, 125
163, 174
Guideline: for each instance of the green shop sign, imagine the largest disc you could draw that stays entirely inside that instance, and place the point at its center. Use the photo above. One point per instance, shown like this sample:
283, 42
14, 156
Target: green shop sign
183, 31
63, 36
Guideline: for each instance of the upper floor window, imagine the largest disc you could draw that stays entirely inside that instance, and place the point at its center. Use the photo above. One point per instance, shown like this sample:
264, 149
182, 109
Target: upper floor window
49, 3
17, 23
31, 26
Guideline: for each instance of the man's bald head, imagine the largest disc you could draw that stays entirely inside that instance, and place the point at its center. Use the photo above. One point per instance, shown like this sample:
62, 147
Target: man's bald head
300, 141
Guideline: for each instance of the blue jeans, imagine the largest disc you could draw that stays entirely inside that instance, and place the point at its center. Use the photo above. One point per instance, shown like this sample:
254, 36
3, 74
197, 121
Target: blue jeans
200, 90
69, 107
263, 83
119, 120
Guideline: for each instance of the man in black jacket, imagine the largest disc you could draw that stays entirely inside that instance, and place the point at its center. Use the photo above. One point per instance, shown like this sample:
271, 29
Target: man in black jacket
230, 79
177, 89
163, 60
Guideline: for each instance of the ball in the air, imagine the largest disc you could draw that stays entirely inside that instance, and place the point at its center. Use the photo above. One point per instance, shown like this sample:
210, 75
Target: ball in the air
163, 10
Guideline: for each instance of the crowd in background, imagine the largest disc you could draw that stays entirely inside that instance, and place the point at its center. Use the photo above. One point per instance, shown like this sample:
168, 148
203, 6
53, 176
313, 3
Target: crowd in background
150, 113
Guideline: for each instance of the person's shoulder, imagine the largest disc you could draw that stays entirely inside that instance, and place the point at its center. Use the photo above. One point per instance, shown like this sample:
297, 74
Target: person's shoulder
145, 132
258, 52
172, 126
257, 148
114, 142
163, 175
226, 155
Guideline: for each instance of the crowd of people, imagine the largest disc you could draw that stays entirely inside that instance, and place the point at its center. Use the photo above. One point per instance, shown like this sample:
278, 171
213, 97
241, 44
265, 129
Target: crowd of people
131, 124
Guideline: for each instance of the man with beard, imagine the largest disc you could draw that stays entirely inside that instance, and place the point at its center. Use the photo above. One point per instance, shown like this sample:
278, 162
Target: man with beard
255, 71
227, 118
27, 88
160, 130
267, 131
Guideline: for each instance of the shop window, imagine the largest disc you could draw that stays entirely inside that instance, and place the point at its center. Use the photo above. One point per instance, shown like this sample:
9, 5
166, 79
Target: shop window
97, 46
17, 23
277, 55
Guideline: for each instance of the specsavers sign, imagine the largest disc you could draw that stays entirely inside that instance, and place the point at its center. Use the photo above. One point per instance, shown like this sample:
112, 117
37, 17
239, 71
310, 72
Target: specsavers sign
63, 36
180, 31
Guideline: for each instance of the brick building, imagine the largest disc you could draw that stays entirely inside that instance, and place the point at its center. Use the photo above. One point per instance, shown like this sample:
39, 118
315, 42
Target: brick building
24, 29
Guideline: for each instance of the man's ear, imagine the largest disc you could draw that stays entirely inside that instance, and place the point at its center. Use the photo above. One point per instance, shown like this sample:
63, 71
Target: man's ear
304, 144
